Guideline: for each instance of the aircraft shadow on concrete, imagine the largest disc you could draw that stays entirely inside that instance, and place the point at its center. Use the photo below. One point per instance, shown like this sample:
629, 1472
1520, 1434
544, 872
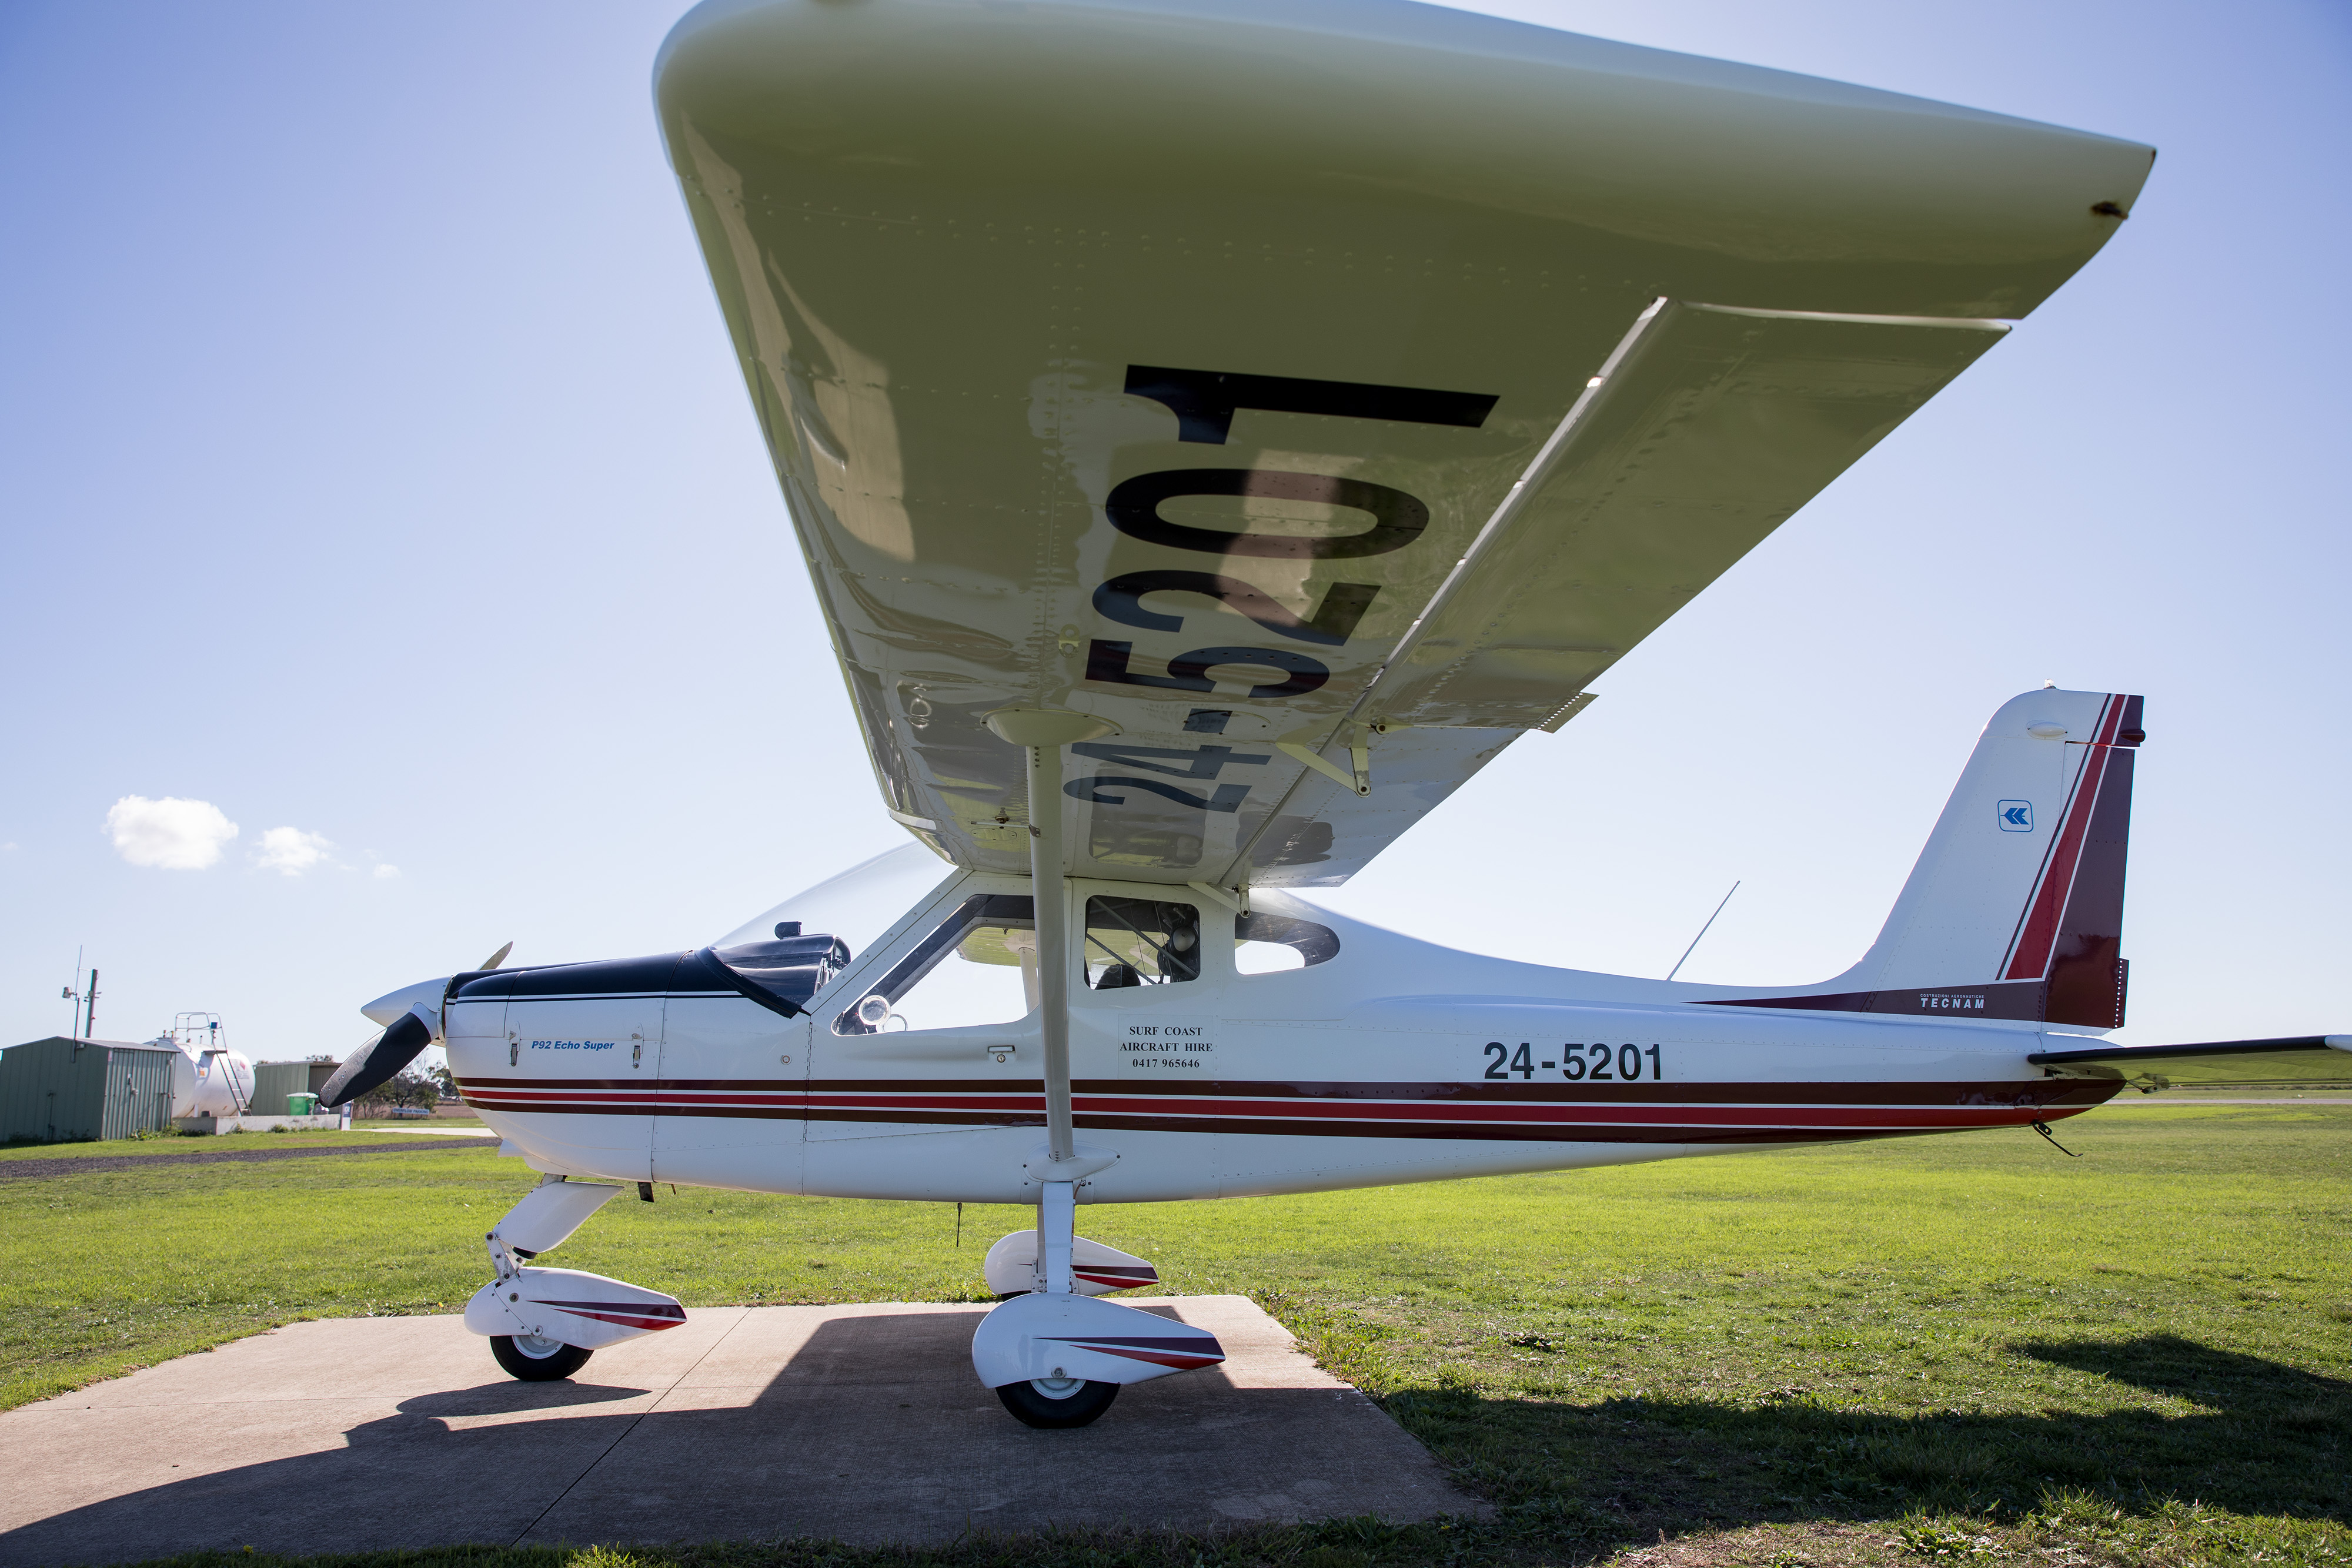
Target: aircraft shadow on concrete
874, 1431
2267, 1439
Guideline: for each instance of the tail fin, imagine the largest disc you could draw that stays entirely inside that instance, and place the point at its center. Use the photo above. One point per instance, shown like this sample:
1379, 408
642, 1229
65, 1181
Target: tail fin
2015, 909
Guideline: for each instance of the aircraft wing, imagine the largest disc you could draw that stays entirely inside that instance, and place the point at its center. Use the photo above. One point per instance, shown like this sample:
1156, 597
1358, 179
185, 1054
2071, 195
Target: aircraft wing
1324, 395
2217, 1064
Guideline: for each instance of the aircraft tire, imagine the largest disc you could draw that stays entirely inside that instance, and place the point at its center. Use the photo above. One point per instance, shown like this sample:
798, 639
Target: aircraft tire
560, 1363
1034, 1406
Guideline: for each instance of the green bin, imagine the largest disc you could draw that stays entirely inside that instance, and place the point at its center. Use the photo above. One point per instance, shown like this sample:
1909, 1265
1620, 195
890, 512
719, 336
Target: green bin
301, 1105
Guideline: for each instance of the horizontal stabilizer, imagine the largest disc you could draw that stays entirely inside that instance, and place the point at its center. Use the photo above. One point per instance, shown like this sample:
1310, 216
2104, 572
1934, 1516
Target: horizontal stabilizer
2215, 1064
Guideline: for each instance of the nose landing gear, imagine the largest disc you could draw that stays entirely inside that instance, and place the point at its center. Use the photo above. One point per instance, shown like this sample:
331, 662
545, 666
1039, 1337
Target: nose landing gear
536, 1360
544, 1324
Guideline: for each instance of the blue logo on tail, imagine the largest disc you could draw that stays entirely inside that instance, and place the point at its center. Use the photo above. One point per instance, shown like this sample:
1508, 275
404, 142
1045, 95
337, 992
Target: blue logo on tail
2016, 816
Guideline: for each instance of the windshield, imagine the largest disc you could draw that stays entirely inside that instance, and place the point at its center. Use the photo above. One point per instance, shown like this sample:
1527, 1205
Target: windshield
853, 908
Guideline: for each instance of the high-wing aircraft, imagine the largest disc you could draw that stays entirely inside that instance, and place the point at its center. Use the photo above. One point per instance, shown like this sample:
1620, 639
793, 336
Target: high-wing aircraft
1215, 432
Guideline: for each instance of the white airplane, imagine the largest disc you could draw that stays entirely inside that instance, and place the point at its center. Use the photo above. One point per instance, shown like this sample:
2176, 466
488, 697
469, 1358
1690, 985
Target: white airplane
1215, 432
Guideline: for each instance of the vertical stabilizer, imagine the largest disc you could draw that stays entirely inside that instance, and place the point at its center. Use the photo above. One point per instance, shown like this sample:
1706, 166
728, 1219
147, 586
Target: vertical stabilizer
2015, 909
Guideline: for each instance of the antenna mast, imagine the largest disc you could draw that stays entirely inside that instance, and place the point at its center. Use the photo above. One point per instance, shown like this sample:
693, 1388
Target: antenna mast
1702, 933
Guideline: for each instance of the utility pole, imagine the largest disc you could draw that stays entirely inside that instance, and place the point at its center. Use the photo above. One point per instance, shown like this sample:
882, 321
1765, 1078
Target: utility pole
90, 1009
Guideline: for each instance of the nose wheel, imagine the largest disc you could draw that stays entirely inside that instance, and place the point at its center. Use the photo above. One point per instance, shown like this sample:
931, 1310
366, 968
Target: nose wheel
536, 1360
1051, 1402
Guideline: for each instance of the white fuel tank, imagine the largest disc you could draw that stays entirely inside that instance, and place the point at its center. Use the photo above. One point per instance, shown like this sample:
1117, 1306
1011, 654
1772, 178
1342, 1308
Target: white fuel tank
211, 1083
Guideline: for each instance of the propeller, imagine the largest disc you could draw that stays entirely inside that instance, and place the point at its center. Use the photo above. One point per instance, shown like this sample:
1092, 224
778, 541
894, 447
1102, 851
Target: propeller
378, 1062
411, 1018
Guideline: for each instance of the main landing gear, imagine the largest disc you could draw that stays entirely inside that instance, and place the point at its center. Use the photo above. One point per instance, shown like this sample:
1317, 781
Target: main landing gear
544, 1324
1056, 1354
1013, 1269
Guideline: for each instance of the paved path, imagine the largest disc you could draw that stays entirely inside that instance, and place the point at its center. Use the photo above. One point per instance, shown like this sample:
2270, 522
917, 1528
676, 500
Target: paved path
81, 1164
863, 1423
476, 1131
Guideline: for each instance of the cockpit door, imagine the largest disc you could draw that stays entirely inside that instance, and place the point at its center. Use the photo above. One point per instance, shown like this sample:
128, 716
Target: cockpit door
1148, 1053
934, 1030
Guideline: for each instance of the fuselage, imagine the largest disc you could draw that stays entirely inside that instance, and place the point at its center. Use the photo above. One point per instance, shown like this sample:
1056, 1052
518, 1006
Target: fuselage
1376, 1059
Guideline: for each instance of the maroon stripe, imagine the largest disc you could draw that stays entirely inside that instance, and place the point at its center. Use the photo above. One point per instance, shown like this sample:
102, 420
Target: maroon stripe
626, 1320
1562, 1131
1156, 1357
2042, 873
1758, 1117
649, 1308
2039, 929
1153, 1114
777, 1085
1028, 1097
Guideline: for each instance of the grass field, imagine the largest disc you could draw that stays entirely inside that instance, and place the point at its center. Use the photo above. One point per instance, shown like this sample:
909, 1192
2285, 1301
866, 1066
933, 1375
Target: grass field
1961, 1349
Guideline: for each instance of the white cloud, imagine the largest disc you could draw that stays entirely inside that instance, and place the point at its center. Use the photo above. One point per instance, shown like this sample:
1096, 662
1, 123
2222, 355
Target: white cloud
170, 833
292, 851
387, 871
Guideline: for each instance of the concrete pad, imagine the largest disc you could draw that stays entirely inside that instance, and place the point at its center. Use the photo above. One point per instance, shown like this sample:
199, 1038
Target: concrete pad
860, 1423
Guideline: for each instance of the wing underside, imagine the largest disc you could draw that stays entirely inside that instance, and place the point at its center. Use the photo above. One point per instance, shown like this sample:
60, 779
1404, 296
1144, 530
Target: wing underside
1322, 472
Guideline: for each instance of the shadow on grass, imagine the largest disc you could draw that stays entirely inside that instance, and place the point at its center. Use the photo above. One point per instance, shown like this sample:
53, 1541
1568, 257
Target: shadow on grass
2267, 1439
2220, 1379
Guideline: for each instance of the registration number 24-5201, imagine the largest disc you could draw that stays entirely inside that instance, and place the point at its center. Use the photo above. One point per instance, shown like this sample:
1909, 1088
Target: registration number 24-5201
1597, 1062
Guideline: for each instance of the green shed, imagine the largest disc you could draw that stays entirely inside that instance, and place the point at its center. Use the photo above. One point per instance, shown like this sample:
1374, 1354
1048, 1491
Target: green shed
273, 1082
63, 1090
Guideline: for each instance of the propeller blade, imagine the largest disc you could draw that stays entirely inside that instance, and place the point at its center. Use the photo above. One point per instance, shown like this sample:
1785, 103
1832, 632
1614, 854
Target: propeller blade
495, 959
378, 1062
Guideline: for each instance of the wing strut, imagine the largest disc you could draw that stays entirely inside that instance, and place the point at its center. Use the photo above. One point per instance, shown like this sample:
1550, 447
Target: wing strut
1042, 732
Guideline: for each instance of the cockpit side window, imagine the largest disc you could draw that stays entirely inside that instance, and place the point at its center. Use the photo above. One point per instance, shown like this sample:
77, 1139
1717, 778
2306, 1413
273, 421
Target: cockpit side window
1141, 942
1264, 944
994, 935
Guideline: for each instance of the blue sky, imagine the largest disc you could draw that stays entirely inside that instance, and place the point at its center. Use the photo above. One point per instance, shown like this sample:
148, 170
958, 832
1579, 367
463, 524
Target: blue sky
374, 469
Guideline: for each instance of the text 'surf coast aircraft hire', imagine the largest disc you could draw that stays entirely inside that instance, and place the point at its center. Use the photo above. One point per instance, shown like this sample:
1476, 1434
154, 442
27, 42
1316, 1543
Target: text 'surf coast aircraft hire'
1215, 431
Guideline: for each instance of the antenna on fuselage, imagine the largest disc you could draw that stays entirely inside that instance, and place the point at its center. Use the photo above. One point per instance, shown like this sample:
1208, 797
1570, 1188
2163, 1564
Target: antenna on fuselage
1702, 933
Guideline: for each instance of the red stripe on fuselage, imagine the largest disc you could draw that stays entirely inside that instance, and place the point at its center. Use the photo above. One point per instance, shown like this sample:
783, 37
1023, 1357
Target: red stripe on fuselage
1759, 1112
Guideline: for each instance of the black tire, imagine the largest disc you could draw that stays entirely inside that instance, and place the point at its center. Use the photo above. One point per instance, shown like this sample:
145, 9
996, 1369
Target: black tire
519, 1362
1031, 1407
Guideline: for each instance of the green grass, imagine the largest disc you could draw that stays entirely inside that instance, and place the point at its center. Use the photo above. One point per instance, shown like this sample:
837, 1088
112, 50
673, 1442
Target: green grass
1956, 1348
193, 1144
